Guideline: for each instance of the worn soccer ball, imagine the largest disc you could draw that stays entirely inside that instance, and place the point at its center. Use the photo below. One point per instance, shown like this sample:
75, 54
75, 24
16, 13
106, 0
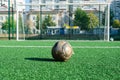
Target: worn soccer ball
62, 51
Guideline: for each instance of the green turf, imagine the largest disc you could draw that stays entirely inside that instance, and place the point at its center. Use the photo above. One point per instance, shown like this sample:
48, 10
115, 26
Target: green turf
38, 64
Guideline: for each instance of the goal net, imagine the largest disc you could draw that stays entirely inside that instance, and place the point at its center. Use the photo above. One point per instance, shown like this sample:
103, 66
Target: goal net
63, 20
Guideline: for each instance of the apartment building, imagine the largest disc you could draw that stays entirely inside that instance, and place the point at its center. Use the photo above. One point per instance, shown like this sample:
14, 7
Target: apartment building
49, 7
4, 9
115, 7
60, 10
12, 2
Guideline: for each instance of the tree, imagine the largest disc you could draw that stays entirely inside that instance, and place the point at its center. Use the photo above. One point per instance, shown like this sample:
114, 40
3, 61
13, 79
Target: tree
111, 17
30, 24
93, 21
37, 21
116, 24
5, 24
81, 19
48, 22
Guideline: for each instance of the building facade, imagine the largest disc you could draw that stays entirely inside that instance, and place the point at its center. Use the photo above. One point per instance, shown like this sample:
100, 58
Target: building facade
51, 7
64, 13
4, 10
115, 7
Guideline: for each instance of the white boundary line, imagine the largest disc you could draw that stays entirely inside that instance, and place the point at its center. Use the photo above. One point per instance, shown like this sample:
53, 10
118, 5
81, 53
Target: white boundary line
67, 40
96, 47
25, 46
51, 47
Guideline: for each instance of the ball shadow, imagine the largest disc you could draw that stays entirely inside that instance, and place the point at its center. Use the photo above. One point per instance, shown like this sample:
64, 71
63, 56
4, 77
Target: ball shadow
41, 59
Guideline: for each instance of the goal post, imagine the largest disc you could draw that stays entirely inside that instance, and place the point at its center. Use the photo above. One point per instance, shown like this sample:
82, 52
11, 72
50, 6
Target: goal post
20, 31
20, 35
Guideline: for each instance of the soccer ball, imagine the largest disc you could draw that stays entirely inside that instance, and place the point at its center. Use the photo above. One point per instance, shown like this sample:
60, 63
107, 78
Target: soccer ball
111, 39
62, 51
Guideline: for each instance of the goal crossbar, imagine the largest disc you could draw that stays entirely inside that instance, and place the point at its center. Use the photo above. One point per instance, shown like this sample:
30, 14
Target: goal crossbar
84, 3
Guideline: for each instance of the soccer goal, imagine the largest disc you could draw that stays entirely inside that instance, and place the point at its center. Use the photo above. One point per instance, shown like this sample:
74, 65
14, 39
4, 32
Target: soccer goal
60, 21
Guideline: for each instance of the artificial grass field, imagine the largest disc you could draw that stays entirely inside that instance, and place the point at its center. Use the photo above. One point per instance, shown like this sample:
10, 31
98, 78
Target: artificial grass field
32, 60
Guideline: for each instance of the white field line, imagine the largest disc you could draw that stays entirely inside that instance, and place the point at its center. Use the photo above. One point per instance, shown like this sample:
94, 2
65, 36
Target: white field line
67, 40
25, 46
96, 47
51, 46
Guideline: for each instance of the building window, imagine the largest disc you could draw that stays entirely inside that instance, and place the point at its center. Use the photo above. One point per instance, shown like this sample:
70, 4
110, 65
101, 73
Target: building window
5, 0
117, 14
1, 17
43, 1
56, 1
34, 18
0, 23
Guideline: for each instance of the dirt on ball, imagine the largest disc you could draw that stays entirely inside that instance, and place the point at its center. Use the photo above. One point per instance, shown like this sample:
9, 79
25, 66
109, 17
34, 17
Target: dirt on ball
62, 51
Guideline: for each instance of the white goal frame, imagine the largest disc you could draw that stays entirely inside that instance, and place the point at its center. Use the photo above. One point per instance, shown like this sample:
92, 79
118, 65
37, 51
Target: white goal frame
80, 3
